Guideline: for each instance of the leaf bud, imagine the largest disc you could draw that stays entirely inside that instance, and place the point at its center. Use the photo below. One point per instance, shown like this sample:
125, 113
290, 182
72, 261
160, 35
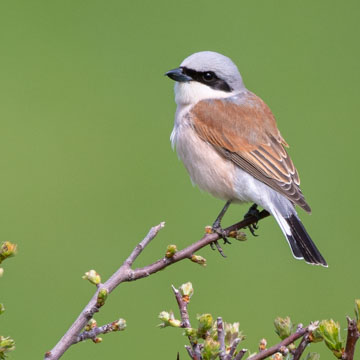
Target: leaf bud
93, 277
101, 298
187, 291
198, 259
283, 327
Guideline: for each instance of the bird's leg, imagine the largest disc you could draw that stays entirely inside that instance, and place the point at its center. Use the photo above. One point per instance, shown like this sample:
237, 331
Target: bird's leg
216, 227
253, 211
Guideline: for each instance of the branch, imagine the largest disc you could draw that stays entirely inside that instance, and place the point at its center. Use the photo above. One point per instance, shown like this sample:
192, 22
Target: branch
188, 251
194, 351
352, 337
94, 332
302, 346
185, 322
125, 274
276, 348
221, 338
233, 348
121, 275
241, 354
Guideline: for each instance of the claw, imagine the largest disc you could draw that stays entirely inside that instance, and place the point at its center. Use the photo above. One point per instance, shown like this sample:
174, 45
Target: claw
220, 250
220, 231
251, 228
253, 211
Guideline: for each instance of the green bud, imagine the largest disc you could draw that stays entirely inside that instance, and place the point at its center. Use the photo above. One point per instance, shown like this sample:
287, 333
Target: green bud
170, 251
205, 323
232, 332
313, 356
238, 235
198, 259
119, 325
102, 296
164, 316
90, 325
168, 319
277, 356
97, 340
208, 229
190, 332
2, 308
329, 330
357, 313
6, 344
283, 327
175, 323
262, 344
93, 277
7, 249
315, 336
211, 349
187, 291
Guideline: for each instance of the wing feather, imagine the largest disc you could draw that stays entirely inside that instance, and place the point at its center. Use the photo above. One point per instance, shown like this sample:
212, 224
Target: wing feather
243, 130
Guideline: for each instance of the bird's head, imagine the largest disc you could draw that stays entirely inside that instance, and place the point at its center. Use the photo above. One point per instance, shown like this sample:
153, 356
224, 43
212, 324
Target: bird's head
205, 75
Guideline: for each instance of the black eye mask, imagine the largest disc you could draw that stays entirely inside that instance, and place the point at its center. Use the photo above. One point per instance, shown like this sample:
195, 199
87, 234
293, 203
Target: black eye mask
208, 78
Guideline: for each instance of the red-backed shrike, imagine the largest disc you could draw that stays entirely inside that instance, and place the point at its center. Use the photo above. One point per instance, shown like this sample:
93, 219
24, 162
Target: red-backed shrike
227, 138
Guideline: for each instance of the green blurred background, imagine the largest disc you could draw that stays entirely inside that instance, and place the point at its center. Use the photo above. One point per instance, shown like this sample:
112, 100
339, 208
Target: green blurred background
86, 165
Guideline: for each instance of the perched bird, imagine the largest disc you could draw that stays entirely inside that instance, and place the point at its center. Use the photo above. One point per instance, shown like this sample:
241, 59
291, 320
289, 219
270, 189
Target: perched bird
228, 140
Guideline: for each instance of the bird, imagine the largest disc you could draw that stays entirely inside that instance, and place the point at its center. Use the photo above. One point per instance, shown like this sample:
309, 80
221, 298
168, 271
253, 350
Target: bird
228, 140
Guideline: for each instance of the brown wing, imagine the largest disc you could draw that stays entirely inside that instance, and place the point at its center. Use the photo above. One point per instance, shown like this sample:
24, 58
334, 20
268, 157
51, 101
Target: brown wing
244, 131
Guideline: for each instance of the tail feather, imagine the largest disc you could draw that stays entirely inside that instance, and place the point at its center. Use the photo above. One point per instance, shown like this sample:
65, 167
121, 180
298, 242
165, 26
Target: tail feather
301, 240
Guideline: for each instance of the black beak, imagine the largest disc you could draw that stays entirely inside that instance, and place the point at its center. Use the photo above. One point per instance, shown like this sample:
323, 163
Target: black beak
178, 75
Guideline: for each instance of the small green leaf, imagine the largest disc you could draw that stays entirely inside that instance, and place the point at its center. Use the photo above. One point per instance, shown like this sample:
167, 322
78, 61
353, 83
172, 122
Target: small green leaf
330, 332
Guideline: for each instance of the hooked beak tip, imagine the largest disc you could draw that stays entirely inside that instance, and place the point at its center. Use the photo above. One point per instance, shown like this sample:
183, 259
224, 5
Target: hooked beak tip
178, 75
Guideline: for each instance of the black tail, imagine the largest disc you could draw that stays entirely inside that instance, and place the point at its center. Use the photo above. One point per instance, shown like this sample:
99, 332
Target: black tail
301, 243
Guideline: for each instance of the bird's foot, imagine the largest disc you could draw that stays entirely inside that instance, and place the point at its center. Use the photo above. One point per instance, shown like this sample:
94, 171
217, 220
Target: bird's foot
217, 229
215, 245
253, 211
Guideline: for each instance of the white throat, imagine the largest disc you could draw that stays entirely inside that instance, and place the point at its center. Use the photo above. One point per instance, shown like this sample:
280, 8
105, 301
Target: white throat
188, 93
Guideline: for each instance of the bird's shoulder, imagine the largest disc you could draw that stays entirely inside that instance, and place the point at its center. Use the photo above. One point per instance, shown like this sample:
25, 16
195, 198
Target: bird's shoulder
242, 120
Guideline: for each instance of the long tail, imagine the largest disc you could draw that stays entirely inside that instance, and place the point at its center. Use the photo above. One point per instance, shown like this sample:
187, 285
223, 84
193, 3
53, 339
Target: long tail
299, 240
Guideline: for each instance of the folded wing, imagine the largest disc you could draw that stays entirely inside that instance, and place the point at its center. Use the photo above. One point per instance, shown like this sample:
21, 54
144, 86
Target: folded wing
243, 130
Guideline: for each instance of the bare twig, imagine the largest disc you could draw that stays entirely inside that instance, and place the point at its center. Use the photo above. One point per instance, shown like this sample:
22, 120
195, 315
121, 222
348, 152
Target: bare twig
240, 354
233, 348
302, 346
125, 273
93, 333
185, 322
276, 348
352, 337
195, 352
190, 352
221, 338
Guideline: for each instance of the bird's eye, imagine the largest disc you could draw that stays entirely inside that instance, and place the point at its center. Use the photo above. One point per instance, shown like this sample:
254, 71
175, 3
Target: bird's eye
208, 76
